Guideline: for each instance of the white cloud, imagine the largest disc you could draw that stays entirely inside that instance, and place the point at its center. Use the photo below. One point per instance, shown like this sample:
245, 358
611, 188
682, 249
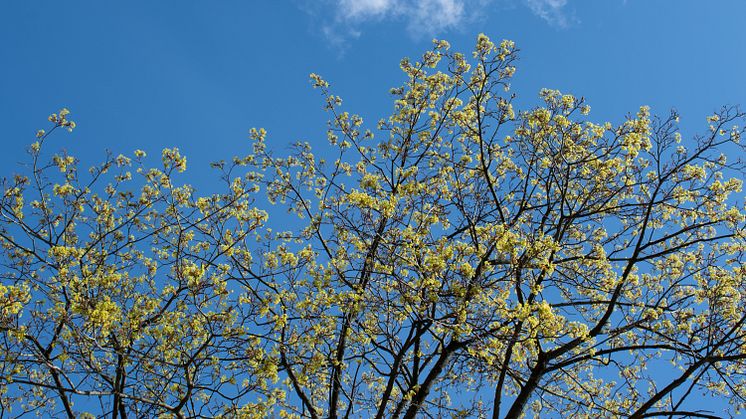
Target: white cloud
424, 18
364, 9
431, 16
550, 10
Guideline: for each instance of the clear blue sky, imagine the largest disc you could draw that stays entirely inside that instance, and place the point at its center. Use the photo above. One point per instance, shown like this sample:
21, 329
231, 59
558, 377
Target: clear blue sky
198, 74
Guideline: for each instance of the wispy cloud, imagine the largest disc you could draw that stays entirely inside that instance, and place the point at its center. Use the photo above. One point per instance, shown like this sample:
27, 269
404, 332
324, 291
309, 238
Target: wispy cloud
423, 18
553, 11
364, 9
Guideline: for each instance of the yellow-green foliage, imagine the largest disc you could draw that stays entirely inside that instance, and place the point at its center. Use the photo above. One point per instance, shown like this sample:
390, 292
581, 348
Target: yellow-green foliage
460, 257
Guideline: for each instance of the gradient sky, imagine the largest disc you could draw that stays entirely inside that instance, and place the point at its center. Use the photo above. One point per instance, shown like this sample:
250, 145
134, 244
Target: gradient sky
199, 74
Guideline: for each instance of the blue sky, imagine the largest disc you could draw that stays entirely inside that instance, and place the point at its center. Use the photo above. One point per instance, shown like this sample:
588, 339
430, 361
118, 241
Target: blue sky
198, 74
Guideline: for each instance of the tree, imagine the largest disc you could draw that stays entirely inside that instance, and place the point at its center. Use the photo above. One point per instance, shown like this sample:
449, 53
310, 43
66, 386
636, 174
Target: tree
465, 259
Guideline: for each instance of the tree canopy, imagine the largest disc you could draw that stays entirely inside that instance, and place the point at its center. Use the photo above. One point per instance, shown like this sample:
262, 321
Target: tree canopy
460, 258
